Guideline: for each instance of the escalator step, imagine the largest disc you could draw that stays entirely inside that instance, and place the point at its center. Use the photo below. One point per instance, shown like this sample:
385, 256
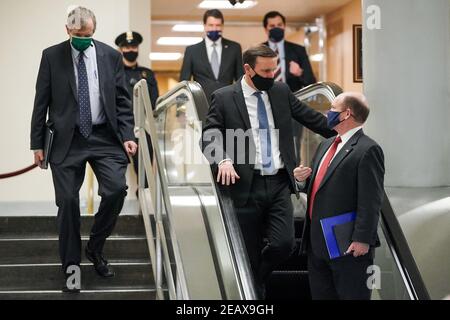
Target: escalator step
288, 285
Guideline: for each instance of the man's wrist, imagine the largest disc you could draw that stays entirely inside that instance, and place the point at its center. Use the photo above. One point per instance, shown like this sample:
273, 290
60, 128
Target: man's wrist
37, 150
225, 160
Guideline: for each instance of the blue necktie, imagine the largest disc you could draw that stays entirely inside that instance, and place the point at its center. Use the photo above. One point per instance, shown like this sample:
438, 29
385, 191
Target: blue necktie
264, 136
83, 98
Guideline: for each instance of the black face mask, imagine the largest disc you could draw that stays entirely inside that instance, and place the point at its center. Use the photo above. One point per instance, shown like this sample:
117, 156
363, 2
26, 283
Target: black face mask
131, 56
261, 83
276, 34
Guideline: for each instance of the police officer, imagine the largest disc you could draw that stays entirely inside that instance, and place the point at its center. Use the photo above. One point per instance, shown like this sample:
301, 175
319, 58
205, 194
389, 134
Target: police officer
128, 44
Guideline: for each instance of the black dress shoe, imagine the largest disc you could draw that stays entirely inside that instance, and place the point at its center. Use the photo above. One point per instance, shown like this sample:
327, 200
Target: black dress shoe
100, 264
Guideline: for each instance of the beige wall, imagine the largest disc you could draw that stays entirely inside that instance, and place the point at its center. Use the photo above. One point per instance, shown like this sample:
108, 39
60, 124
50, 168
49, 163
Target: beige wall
340, 45
27, 27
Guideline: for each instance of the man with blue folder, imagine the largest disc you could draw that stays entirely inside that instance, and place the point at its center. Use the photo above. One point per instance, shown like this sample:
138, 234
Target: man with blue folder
345, 193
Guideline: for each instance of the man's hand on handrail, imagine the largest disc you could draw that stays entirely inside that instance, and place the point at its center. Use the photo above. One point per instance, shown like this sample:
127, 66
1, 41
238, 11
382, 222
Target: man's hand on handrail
131, 147
227, 173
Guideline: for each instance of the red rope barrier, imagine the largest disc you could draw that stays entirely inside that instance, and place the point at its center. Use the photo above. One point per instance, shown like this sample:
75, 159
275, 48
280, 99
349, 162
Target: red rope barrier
17, 173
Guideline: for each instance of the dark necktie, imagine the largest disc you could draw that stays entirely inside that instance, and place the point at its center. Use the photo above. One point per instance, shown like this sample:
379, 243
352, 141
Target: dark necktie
322, 172
264, 136
83, 98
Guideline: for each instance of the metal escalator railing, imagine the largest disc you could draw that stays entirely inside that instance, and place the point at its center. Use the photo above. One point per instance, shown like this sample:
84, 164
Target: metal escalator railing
400, 277
194, 239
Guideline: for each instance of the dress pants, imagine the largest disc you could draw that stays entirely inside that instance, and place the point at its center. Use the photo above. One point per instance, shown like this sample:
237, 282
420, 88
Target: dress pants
343, 278
268, 213
109, 162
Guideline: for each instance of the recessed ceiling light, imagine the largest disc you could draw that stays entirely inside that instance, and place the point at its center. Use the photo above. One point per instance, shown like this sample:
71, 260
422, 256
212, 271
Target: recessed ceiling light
188, 28
178, 41
225, 4
165, 56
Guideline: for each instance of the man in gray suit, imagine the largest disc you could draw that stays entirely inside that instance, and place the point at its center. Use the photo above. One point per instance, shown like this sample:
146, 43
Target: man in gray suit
81, 86
215, 62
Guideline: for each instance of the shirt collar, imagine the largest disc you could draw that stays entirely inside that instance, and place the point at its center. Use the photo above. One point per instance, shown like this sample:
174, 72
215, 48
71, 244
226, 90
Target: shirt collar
278, 45
349, 134
247, 90
209, 42
87, 52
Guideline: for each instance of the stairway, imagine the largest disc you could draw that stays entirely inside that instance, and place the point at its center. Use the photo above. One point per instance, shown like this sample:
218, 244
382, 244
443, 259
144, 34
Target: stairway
30, 268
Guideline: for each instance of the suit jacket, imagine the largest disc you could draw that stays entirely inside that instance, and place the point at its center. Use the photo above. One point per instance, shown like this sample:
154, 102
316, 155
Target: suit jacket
56, 94
297, 53
353, 182
196, 64
229, 111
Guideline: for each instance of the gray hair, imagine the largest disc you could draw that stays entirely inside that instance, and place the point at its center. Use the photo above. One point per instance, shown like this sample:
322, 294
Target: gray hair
79, 18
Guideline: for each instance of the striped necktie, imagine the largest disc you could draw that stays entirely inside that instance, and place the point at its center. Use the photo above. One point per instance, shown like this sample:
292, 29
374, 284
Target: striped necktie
278, 74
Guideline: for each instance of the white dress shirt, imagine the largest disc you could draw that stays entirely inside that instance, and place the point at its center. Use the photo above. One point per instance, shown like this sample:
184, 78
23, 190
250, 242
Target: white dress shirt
90, 59
252, 107
345, 138
210, 48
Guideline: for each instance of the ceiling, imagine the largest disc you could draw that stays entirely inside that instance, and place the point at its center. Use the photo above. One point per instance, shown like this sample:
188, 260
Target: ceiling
243, 26
296, 10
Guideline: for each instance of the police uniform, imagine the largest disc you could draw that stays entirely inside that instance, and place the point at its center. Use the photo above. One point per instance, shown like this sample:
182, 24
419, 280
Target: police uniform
133, 76
137, 73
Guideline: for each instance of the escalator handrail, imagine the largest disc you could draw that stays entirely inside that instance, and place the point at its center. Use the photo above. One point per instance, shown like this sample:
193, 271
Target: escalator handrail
240, 258
391, 227
328, 89
397, 240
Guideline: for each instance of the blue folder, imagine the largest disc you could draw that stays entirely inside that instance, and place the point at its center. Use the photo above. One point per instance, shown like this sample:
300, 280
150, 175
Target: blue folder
328, 229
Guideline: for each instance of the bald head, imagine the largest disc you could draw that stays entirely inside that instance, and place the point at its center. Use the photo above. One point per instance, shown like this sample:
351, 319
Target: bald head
357, 103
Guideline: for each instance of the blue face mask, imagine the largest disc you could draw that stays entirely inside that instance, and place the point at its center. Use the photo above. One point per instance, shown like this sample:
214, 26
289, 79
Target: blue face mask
333, 119
214, 35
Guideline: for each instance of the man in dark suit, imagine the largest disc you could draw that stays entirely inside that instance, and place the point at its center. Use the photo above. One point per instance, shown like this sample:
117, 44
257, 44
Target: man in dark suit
215, 62
293, 68
81, 85
347, 175
247, 139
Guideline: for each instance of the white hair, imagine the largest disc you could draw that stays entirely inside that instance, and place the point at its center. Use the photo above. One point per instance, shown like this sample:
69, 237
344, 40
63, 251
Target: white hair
79, 18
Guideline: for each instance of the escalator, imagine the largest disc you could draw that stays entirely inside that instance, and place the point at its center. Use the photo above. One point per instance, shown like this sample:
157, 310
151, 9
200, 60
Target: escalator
195, 243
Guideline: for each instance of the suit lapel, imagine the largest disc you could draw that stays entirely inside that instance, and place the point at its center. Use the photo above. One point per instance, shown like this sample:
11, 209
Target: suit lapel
287, 59
70, 69
343, 153
204, 57
224, 56
240, 104
101, 69
272, 98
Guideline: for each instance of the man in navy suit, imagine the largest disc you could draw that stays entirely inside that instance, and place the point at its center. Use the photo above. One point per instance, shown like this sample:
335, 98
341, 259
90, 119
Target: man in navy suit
347, 175
81, 87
